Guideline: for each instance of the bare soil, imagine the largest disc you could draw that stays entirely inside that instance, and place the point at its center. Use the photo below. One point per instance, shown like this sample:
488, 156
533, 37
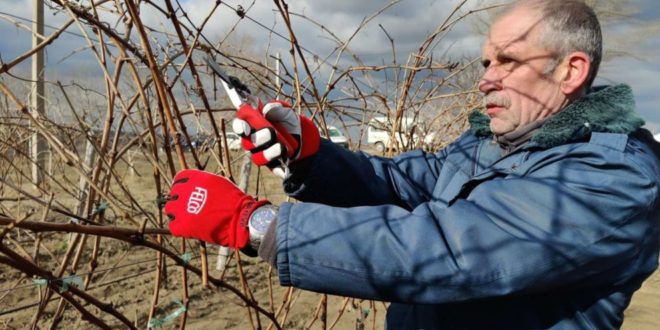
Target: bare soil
644, 310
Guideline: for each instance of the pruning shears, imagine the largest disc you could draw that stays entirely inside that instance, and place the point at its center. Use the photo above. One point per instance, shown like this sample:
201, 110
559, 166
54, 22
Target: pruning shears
239, 94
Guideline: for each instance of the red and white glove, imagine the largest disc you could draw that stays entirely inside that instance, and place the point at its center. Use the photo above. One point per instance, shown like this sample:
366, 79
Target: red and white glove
276, 135
211, 208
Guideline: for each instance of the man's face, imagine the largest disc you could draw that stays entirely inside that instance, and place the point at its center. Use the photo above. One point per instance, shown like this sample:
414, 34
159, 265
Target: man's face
516, 87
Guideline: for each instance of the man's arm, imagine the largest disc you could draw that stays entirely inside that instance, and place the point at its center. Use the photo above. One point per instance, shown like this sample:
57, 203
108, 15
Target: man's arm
315, 170
338, 177
584, 220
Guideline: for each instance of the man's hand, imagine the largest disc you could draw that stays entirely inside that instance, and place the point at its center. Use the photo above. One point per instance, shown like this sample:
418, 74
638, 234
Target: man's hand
276, 135
209, 207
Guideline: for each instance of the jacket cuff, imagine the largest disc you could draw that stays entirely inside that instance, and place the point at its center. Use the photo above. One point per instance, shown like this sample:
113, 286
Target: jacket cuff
282, 234
294, 184
304, 172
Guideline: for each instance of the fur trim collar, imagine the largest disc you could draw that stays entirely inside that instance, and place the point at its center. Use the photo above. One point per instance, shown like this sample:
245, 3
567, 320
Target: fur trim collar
608, 109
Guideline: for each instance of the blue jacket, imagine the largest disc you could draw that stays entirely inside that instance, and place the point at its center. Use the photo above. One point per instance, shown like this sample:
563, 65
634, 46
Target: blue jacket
555, 235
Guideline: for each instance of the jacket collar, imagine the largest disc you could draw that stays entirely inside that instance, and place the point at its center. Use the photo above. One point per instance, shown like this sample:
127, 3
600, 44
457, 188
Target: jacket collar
608, 109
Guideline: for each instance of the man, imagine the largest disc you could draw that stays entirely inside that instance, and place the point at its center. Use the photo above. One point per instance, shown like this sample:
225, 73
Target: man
544, 215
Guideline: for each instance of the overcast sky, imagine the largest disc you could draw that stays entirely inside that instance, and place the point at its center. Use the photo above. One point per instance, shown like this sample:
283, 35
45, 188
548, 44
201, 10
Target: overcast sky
408, 22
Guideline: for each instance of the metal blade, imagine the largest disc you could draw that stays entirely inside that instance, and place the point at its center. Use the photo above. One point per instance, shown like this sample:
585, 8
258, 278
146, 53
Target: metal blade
234, 95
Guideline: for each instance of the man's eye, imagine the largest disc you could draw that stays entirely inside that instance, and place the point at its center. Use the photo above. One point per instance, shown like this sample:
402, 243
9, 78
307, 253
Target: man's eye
485, 63
508, 63
506, 60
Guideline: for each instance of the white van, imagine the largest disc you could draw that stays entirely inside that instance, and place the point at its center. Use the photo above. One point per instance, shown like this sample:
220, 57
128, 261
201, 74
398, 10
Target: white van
336, 136
378, 134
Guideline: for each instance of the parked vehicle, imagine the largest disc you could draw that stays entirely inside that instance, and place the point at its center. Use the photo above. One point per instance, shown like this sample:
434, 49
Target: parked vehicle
335, 135
657, 137
409, 134
205, 142
233, 141
378, 133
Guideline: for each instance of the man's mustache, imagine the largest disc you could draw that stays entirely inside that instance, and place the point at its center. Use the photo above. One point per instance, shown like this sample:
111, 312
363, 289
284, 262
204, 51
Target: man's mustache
497, 100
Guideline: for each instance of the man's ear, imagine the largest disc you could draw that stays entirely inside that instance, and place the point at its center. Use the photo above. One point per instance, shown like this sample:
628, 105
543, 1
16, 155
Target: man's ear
575, 73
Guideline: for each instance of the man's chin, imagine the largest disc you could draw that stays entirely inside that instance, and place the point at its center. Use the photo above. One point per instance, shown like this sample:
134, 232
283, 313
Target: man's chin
499, 127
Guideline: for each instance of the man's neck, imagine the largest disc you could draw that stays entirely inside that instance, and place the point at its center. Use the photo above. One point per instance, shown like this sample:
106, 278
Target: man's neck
512, 140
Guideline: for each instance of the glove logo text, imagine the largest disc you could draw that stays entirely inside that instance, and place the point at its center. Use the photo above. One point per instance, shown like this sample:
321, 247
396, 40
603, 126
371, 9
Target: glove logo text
196, 200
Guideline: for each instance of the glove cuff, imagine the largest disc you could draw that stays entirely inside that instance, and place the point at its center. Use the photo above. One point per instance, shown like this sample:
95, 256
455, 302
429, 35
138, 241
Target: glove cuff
310, 138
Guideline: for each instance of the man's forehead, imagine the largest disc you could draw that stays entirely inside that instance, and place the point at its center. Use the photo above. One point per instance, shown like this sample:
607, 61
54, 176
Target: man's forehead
506, 44
513, 30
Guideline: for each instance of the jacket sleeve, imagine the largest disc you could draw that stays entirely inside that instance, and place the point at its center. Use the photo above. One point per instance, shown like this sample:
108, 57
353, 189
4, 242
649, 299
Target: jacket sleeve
559, 225
338, 177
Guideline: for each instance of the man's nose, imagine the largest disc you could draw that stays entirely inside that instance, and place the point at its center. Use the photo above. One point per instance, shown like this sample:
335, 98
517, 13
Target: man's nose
490, 81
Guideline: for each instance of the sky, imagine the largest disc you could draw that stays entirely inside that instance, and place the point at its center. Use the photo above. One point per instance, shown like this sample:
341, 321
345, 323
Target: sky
408, 22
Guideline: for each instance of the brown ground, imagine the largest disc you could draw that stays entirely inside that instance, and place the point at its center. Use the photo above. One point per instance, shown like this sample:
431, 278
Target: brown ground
644, 310
219, 309
125, 277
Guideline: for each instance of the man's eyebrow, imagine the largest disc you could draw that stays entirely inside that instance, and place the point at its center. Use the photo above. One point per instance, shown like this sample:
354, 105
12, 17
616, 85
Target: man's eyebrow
499, 56
507, 54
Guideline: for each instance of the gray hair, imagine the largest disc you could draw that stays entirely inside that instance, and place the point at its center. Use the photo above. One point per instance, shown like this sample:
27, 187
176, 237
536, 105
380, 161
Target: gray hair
569, 26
